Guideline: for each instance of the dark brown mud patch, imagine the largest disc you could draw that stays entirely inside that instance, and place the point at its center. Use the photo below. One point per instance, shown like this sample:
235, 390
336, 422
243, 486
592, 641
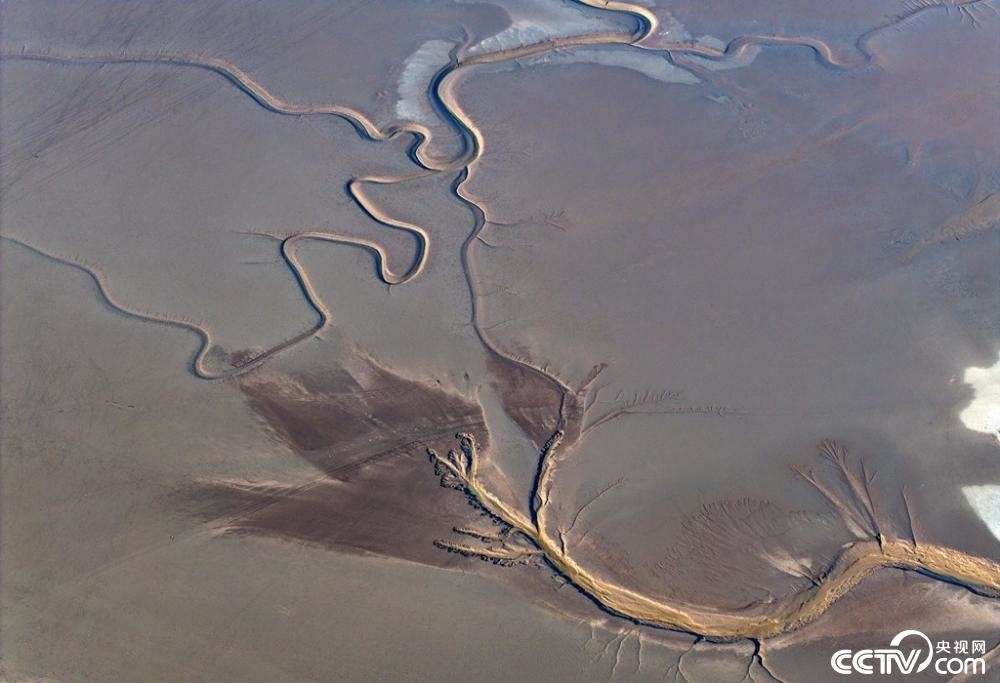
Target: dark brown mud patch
530, 399
366, 430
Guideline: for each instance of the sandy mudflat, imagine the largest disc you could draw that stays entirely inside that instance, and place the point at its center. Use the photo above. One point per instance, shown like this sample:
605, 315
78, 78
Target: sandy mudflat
522, 340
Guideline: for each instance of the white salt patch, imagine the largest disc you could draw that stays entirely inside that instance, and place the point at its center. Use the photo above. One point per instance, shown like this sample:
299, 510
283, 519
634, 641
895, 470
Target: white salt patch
670, 27
712, 42
649, 64
985, 500
983, 414
418, 70
533, 21
515, 35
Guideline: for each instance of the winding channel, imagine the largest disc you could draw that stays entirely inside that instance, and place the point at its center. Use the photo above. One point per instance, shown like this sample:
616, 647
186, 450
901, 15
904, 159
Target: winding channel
856, 560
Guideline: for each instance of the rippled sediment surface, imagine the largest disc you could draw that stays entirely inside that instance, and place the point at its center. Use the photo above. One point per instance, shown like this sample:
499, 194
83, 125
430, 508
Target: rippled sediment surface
261, 266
